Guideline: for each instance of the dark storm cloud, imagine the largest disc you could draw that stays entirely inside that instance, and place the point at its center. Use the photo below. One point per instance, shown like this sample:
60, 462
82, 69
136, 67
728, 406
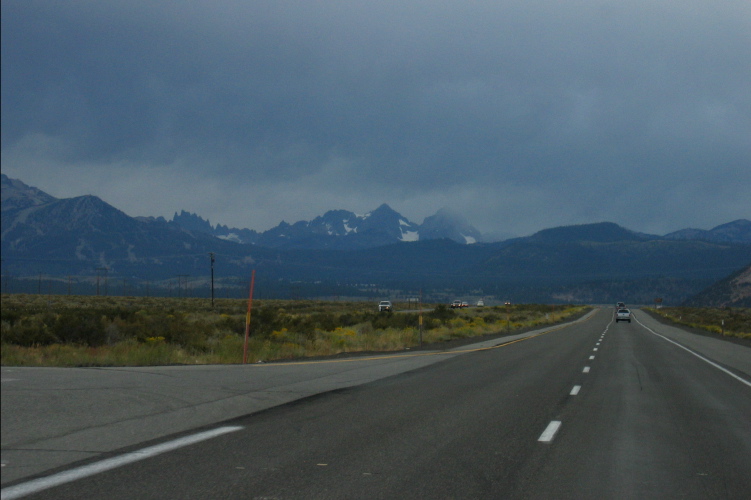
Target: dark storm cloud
523, 114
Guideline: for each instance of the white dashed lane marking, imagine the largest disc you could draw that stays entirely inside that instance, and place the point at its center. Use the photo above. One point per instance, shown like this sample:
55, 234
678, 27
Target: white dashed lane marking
550, 431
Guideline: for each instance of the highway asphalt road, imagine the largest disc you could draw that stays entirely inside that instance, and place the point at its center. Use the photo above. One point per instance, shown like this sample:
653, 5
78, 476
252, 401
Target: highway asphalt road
592, 410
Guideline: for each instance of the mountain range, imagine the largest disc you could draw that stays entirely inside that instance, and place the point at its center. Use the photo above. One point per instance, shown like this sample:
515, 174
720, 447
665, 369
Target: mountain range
343, 230
341, 253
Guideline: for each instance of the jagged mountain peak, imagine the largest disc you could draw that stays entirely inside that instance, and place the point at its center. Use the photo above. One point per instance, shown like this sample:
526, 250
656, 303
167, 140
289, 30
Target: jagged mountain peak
388, 225
383, 213
17, 196
77, 236
383, 209
343, 229
339, 228
192, 222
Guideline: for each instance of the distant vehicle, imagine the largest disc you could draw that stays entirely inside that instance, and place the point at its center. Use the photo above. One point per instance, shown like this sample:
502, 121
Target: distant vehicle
465, 304
480, 303
620, 305
623, 315
385, 306
456, 304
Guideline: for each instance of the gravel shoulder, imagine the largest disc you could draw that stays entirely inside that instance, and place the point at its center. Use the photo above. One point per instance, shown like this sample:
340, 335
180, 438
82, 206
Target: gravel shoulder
698, 331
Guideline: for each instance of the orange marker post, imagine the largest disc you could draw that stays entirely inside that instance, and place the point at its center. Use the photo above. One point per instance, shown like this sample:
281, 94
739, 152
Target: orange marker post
247, 317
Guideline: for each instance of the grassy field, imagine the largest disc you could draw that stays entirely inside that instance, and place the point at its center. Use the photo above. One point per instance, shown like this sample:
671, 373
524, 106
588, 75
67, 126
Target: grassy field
731, 322
38, 330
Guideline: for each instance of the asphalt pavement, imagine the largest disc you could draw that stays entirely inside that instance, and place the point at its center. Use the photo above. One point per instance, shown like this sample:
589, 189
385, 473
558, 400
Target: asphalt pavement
52, 417
590, 410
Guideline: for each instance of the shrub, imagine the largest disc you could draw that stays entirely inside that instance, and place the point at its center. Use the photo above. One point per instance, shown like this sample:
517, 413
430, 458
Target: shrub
442, 314
29, 331
84, 331
737, 321
75, 327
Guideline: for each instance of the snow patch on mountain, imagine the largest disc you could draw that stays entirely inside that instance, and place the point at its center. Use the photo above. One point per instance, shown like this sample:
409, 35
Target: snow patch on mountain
230, 237
410, 236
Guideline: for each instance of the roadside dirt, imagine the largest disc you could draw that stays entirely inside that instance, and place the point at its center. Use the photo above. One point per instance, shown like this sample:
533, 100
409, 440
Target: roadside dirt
445, 345
699, 331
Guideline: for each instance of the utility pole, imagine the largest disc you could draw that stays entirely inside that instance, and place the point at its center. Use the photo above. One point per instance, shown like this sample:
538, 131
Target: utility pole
420, 318
211, 255
508, 317
98, 269
179, 283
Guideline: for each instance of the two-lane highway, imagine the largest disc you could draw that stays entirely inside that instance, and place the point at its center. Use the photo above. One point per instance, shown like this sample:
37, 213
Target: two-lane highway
593, 410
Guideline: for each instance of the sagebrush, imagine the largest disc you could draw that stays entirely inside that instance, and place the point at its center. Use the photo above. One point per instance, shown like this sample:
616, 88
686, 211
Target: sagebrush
107, 331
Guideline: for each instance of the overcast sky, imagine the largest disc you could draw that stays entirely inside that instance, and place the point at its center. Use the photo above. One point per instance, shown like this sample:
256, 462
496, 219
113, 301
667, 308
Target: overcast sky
520, 115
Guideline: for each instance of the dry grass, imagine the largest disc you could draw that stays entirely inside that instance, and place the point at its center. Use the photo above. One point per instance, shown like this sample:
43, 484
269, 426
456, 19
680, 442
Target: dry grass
128, 331
731, 322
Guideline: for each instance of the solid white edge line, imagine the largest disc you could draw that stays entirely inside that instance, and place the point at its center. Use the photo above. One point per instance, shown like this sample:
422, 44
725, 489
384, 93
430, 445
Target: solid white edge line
37, 485
695, 354
550, 431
